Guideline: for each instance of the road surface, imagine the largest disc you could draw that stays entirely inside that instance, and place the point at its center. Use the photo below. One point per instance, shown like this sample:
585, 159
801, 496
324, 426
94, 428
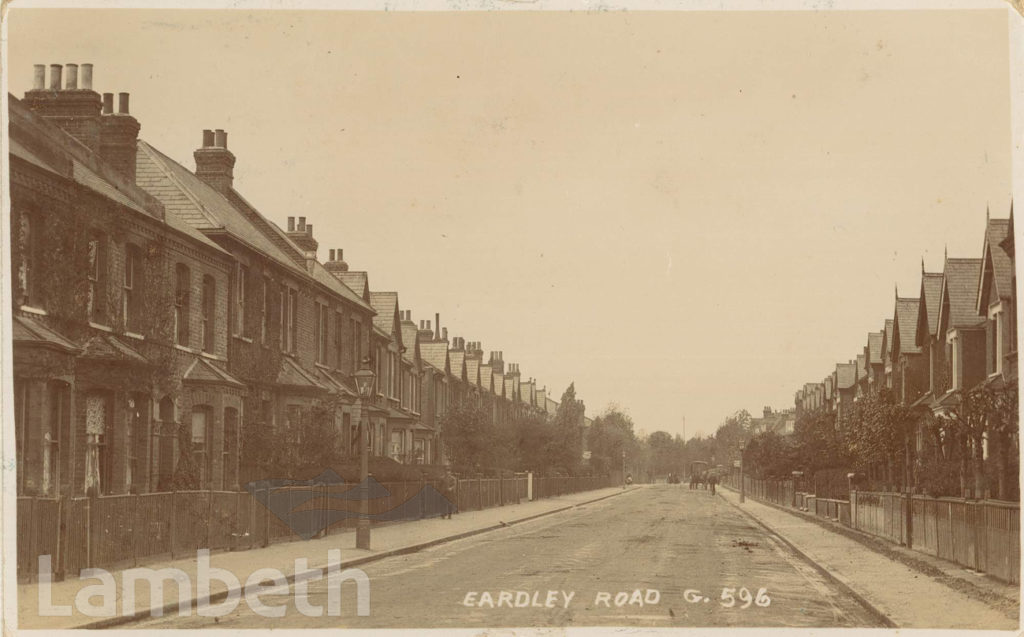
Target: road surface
659, 556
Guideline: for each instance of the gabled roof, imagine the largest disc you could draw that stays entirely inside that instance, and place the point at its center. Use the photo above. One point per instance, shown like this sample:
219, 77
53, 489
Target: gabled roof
930, 300
358, 282
435, 354
551, 406
410, 338
110, 348
457, 359
291, 373
905, 325
385, 304
959, 293
887, 340
473, 371
846, 375
998, 265
874, 350
203, 371
510, 387
485, 378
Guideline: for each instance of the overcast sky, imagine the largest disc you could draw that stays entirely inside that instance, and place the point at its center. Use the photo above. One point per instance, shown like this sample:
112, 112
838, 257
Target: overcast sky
685, 213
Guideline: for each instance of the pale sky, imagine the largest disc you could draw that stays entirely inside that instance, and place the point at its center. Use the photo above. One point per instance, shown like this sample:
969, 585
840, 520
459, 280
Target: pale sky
685, 213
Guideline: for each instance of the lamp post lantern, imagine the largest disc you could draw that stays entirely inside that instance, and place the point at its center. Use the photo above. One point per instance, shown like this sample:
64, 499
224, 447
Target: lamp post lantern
364, 385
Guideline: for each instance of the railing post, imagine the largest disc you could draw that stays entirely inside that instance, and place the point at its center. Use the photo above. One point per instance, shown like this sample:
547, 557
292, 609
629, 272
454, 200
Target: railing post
171, 526
88, 532
135, 528
908, 525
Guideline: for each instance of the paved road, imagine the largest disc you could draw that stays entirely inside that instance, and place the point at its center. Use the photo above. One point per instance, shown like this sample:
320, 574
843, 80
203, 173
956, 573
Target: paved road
665, 538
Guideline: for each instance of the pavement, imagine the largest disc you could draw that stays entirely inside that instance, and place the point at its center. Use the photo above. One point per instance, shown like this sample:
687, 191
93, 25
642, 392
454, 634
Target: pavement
658, 556
386, 541
908, 595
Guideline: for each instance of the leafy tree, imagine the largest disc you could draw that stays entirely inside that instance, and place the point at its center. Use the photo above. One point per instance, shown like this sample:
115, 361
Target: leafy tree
469, 436
566, 446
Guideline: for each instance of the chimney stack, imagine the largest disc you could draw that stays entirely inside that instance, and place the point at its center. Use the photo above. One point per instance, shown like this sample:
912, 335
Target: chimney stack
215, 164
336, 263
437, 326
76, 111
302, 235
444, 334
119, 136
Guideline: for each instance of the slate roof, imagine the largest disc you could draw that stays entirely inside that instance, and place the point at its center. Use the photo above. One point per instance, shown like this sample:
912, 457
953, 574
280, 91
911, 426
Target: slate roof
510, 387
358, 282
485, 377
29, 331
906, 318
1002, 266
385, 304
192, 200
435, 354
409, 337
960, 287
457, 357
203, 371
846, 375
473, 371
887, 339
874, 353
931, 288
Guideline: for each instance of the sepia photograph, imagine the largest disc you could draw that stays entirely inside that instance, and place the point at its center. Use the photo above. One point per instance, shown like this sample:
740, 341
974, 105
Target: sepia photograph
510, 316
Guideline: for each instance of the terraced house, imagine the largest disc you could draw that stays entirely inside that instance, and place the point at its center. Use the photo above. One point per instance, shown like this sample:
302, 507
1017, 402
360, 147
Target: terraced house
958, 337
160, 318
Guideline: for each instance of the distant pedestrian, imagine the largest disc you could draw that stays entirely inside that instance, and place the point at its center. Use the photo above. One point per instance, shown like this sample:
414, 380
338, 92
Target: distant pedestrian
449, 486
712, 481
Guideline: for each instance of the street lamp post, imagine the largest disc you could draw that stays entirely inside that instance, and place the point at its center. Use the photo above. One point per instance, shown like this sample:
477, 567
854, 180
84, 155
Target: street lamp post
364, 384
743, 484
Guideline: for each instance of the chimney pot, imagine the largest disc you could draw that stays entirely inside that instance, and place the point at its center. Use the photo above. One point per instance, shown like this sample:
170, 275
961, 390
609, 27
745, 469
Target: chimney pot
444, 334
428, 325
207, 138
122, 103
302, 224
55, 70
220, 138
39, 77
341, 258
291, 224
332, 254
437, 325
108, 103
71, 80
87, 77
309, 229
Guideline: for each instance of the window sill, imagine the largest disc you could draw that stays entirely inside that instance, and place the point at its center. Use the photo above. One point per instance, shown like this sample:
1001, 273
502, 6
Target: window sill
184, 348
34, 310
242, 338
212, 356
136, 336
104, 328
